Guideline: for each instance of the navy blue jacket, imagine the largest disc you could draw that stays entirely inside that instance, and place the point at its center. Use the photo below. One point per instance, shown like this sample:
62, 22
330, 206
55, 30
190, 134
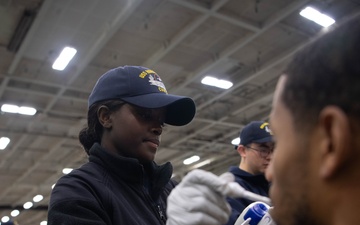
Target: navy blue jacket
254, 183
111, 190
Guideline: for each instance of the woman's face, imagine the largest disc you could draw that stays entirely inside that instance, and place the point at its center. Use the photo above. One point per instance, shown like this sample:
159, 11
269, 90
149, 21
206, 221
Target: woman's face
134, 132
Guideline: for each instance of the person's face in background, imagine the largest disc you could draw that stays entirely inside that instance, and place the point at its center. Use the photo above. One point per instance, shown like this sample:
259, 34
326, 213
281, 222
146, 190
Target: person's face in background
289, 167
258, 156
134, 132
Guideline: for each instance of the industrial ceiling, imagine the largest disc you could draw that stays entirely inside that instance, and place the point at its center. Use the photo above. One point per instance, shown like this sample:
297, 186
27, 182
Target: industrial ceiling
247, 42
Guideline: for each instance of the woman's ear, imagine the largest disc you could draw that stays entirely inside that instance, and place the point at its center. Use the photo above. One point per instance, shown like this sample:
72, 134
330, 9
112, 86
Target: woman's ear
103, 114
334, 142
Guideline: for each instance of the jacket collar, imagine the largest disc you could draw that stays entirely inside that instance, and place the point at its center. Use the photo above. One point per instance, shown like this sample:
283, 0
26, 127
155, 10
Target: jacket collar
129, 169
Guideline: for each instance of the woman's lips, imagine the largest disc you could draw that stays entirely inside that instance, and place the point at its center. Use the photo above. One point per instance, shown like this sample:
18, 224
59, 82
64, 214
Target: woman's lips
153, 142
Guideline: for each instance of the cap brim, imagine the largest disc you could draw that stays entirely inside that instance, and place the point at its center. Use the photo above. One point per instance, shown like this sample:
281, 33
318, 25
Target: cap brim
180, 109
263, 140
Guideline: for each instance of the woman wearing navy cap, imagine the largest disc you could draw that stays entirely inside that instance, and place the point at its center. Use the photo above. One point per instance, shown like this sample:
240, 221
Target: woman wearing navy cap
121, 183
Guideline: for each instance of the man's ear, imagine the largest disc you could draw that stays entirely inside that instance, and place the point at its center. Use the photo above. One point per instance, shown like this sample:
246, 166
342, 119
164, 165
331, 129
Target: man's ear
241, 150
104, 117
334, 141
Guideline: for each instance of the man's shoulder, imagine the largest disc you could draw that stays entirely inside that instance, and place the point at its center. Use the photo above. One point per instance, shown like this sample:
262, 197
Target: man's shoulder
239, 172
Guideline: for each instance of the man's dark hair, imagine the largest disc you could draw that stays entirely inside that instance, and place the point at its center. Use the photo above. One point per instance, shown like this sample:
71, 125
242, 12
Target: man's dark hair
326, 72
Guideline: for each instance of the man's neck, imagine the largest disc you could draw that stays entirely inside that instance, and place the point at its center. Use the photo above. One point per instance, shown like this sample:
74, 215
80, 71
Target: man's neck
245, 167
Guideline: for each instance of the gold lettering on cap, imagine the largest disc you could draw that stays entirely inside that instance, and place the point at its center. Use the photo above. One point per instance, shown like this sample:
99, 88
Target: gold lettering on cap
146, 72
266, 126
162, 89
263, 125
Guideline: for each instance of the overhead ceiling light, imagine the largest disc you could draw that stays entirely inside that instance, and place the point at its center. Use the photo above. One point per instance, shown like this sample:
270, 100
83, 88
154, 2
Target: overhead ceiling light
5, 219
212, 81
10, 108
201, 164
28, 205
191, 160
316, 16
235, 141
15, 213
24, 110
67, 170
64, 58
43, 222
4, 141
38, 198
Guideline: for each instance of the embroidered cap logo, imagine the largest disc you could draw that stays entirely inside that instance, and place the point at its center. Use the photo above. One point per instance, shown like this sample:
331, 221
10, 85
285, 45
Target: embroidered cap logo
154, 79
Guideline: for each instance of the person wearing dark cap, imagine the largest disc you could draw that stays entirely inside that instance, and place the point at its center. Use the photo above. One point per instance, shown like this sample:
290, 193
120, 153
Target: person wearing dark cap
255, 148
121, 184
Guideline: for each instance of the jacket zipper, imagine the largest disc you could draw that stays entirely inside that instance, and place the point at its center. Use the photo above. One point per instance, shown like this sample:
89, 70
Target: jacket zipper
156, 207
161, 214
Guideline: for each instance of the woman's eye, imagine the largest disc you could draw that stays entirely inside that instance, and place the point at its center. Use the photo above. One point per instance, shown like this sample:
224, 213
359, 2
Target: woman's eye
147, 115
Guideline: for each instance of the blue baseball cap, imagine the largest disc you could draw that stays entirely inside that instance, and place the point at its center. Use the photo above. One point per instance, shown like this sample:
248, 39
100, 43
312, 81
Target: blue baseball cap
142, 87
256, 132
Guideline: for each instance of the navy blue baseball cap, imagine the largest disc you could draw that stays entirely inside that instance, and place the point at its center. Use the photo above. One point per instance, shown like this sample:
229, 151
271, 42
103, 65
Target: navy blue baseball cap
256, 132
142, 87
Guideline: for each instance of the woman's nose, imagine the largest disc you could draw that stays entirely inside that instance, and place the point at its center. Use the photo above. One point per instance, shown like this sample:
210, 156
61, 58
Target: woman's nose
157, 128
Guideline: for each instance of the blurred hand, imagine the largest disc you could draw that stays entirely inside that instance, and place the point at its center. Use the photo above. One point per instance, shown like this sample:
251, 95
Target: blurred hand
199, 199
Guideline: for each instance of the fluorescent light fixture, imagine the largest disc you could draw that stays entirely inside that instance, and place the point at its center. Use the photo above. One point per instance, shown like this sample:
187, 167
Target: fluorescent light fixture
191, 160
64, 58
43, 222
235, 141
10, 108
24, 110
201, 164
67, 170
15, 213
212, 81
38, 198
316, 16
28, 205
5, 219
4, 141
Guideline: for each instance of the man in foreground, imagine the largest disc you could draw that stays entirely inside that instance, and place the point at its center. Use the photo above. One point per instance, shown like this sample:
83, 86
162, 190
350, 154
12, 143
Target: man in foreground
315, 168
